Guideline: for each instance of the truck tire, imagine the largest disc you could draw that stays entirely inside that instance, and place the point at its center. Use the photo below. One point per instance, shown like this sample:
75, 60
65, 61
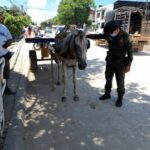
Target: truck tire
33, 60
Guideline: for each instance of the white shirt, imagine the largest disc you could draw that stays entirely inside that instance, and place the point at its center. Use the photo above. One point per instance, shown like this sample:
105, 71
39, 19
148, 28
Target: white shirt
4, 36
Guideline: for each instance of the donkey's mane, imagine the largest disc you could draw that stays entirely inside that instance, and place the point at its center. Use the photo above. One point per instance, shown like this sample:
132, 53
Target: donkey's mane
69, 46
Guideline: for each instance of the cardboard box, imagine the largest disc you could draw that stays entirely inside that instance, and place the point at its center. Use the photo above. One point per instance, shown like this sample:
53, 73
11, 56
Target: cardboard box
100, 42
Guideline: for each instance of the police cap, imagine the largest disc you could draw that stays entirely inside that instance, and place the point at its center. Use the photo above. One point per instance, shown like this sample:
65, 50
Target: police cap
111, 26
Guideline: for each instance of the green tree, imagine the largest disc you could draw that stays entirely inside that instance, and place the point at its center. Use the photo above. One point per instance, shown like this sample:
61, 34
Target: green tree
16, 23
15, 20
47, 23
55, 20
24, 20
74, 11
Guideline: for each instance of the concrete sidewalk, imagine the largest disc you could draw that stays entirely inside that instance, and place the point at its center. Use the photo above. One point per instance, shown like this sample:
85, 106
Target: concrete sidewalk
89, 124
14, 104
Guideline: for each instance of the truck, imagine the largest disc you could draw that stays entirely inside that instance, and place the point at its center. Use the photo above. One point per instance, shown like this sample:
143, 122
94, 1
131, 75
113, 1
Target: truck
130, 17
133, 22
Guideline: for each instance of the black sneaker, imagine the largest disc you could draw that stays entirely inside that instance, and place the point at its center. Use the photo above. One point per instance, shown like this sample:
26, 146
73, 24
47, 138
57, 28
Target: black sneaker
118, 103
105, 97
8, 91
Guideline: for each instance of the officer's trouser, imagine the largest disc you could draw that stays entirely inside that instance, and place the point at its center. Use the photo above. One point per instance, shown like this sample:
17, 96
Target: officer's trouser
7, 65
7, 69
115, 67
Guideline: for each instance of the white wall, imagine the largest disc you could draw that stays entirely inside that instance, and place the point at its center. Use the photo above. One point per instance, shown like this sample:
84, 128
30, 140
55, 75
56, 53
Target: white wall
102, 15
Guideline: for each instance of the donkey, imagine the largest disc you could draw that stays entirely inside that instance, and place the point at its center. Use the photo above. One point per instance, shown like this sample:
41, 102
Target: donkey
71, 50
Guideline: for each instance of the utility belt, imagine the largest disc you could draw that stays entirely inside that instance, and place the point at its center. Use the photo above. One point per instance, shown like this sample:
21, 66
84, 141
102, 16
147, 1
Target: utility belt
114, 57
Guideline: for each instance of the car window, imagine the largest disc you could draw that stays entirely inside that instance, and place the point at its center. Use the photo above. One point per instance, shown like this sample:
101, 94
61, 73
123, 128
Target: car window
59, 29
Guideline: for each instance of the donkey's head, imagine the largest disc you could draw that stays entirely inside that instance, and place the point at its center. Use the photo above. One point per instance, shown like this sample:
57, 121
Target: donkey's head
80, 46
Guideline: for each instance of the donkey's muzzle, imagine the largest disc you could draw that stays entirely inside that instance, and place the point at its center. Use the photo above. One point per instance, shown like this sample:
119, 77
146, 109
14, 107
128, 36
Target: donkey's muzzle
82, 65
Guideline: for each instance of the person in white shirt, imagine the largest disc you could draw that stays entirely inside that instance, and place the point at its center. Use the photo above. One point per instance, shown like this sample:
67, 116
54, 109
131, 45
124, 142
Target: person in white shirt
5, 41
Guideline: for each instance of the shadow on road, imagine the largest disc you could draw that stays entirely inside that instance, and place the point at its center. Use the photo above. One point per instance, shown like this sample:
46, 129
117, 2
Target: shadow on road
86, 124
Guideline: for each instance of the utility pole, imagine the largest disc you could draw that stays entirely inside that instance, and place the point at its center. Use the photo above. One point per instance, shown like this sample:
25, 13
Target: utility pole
146, 18
146, 8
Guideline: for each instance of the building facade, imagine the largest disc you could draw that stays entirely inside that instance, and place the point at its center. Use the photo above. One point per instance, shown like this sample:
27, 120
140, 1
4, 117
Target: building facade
100, 15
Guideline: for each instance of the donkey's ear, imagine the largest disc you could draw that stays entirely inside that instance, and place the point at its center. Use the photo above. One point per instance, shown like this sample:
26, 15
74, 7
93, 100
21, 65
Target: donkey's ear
85, 29
73, 30
67, 26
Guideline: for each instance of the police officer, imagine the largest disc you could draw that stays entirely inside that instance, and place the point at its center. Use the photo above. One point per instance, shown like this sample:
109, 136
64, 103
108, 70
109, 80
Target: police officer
118, 60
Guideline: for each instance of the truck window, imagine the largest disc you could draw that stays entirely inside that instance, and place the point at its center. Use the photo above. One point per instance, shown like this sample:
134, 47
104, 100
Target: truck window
102, 25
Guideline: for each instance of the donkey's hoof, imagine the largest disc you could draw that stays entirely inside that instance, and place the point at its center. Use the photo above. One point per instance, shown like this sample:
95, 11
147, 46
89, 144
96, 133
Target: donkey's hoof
64, 99
76, 98
58, 83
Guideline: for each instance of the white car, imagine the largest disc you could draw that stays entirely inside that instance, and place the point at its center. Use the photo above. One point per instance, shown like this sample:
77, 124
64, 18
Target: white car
58, 29
47, 32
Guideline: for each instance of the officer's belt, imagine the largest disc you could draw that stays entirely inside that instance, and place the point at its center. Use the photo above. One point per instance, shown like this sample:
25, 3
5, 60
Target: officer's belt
116, 57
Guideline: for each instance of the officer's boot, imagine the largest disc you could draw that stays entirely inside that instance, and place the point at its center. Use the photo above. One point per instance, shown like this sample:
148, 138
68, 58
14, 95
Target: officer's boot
119, 100
105, 96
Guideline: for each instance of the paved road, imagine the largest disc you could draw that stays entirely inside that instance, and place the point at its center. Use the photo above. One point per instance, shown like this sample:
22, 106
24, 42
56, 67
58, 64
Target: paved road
89, 124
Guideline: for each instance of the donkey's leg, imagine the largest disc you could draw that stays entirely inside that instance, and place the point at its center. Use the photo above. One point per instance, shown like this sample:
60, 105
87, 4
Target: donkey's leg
52, 72
64, 98
58, 80
76, 97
